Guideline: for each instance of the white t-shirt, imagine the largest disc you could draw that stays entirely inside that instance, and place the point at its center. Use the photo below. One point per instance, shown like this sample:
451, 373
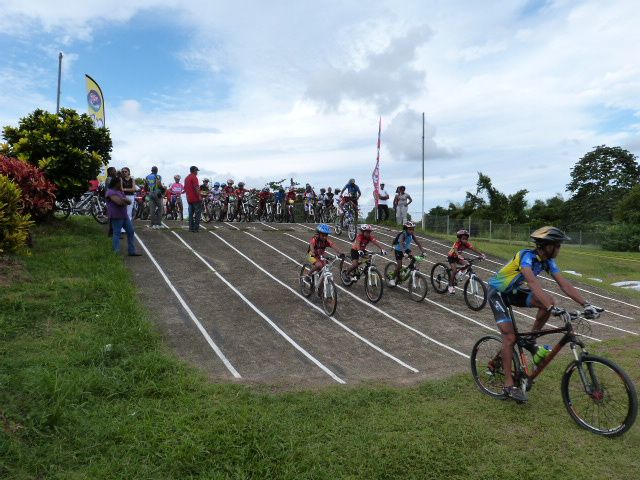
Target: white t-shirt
382, 193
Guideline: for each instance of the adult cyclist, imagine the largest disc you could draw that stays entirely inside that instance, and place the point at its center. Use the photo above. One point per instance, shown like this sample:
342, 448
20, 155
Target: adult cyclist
516, 284
402, 246
354, 194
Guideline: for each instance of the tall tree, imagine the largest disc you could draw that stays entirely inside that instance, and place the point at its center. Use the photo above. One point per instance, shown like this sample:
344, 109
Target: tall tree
598, 181
67, 147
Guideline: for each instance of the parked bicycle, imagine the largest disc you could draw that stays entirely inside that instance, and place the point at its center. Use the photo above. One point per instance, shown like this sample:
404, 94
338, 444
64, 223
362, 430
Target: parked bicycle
323, 280
90, 203
598, 395
417, 281
475, 291
373, 285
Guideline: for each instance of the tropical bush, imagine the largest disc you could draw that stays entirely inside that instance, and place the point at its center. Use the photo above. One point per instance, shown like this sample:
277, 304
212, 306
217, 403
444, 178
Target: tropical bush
622, 238
14, 226
38, 193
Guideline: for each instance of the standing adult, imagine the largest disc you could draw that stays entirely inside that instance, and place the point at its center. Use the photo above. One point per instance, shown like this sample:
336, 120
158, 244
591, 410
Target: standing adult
117, 211
354, 193
111, 174
129, 188
194, 199
401, 202
383, 208
153, 182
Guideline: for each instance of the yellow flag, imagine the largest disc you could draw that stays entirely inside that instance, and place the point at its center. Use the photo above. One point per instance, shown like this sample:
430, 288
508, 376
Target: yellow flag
95, 101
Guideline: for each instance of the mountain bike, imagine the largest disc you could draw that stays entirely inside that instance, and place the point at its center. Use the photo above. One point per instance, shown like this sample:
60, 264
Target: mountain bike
373, 285
417, 281
347, 222
309, 211
90, 203
290, 214
475, 291
327, 290
598, 395
247, 207
231, 207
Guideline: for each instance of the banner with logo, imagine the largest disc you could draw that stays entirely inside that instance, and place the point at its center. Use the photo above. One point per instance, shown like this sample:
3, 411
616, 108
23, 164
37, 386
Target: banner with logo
95, 102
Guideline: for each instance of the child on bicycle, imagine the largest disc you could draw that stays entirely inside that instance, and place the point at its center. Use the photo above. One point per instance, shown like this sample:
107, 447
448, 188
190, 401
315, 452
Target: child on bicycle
516, 284
359, 246
402, 245
455, 257
317, 245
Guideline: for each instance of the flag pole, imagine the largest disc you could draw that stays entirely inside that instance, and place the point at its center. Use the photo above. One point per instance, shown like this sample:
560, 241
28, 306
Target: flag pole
423, 171
59, 78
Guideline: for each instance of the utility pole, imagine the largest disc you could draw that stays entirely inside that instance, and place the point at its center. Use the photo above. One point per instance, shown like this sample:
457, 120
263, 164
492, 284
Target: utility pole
423, 223
59, 78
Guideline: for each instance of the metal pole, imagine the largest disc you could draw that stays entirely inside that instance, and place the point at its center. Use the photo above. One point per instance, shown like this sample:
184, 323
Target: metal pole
423, 226
59, 78
489, 229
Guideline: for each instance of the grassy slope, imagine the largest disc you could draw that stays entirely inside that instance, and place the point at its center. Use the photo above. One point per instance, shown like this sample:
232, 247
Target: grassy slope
73, 409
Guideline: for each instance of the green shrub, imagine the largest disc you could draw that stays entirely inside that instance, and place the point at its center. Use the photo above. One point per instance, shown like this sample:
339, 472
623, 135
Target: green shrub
622, 238
14, 227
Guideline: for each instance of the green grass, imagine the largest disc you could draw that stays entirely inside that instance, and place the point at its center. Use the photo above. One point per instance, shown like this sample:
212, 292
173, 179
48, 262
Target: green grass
591, 262
73, 409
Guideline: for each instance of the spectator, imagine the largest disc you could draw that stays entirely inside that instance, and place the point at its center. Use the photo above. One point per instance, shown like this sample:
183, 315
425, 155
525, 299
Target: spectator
117, 211
383, 208
153, 182
401, 203
111, 174
194, 199
129, 188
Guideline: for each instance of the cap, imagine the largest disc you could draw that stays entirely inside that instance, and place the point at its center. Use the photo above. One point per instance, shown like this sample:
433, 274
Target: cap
193, 168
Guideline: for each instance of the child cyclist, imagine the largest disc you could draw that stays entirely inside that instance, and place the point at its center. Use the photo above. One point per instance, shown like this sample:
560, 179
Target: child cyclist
402, 245
455, 257
317, 245
359, 246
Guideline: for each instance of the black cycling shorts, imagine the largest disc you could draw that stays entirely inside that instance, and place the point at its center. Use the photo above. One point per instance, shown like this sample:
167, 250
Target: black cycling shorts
400, 254
354, 254
518, 297
455, 259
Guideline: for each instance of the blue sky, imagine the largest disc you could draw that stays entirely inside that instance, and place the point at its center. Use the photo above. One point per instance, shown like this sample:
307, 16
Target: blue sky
259, 91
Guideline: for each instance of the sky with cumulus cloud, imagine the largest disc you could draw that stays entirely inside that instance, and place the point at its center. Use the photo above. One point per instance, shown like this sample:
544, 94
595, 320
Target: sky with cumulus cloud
261, 91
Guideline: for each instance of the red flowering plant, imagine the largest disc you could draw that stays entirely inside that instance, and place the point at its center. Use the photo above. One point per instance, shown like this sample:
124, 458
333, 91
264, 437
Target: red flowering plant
38, 193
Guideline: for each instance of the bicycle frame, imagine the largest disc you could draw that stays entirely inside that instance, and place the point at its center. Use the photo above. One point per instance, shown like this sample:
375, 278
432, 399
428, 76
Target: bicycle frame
326, 274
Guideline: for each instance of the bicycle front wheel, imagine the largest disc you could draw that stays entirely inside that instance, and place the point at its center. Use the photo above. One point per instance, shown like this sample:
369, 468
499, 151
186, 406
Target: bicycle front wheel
337, 226
605, 402
62, 209
306, 280
486, 366
440, 277
373, 285
389, 274
351, 231
475, 293
330, 297
418, 287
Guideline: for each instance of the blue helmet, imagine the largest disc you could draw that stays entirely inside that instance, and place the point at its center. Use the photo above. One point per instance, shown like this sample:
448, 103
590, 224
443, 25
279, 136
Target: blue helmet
323, 228
216, 185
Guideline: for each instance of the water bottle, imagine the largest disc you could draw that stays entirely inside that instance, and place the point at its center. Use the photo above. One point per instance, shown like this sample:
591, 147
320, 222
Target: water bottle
541, 354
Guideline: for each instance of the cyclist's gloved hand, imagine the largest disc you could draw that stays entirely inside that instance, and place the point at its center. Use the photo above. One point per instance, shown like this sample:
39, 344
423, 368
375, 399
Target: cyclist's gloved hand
591, 311
557, 311
361, 253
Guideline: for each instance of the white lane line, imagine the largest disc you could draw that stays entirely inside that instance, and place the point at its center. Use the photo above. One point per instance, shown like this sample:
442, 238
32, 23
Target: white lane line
373, 307
231, 225
453, 311
337, 322
543, 277
209, 340
266, 225
259, 312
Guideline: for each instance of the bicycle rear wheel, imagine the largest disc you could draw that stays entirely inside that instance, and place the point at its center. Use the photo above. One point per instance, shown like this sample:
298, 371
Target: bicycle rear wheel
418, 287
608, 404
373, 285
475, 293
389, 274
306, 280
440, 277
99, 210
345, 278
330, 297
486, 366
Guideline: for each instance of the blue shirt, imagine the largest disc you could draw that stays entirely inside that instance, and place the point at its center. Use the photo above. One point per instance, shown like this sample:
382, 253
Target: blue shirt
153, 180
279, 196
510, 276
404, 242
352, 189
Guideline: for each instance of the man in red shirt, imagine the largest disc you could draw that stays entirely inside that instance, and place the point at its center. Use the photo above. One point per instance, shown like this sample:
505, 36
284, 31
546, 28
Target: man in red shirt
192, 190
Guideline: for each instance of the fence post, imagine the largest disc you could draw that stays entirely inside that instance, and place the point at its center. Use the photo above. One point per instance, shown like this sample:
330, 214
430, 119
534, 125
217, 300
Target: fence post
580, 237
489, 229
509, 234
469, 224
447, 224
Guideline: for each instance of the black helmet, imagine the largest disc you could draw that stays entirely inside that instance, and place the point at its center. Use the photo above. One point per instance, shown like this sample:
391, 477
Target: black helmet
322, 190
547, 235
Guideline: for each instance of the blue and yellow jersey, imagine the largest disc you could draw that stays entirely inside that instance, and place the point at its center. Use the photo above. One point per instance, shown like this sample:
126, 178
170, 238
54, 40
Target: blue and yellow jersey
510, 276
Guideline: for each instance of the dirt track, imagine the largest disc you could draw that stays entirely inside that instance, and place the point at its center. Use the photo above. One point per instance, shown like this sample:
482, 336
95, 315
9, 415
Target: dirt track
283, 341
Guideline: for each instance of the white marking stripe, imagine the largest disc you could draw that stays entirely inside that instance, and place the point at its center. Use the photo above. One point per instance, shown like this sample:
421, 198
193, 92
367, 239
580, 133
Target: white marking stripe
391, 317
375, 347
550, 280
259, 312
545, 289
209, 340
232, 226
266, 225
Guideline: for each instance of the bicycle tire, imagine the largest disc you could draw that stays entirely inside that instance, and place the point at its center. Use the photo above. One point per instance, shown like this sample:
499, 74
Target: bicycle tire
352, 230
330, 301
418, 291
486, 366
62, 210
390, 273
374, 292
345, 279
440, 277
99, 210
306, 287
613, 388
475, 293
337, 227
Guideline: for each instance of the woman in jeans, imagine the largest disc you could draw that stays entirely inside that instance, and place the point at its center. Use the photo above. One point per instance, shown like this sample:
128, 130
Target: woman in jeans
117, 210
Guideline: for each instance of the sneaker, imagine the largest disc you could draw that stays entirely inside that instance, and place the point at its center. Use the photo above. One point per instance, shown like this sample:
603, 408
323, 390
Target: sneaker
392, 282
452, 290
530, 344
515, 393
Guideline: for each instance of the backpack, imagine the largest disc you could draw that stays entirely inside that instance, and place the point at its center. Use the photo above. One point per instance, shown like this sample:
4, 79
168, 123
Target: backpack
396, 240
